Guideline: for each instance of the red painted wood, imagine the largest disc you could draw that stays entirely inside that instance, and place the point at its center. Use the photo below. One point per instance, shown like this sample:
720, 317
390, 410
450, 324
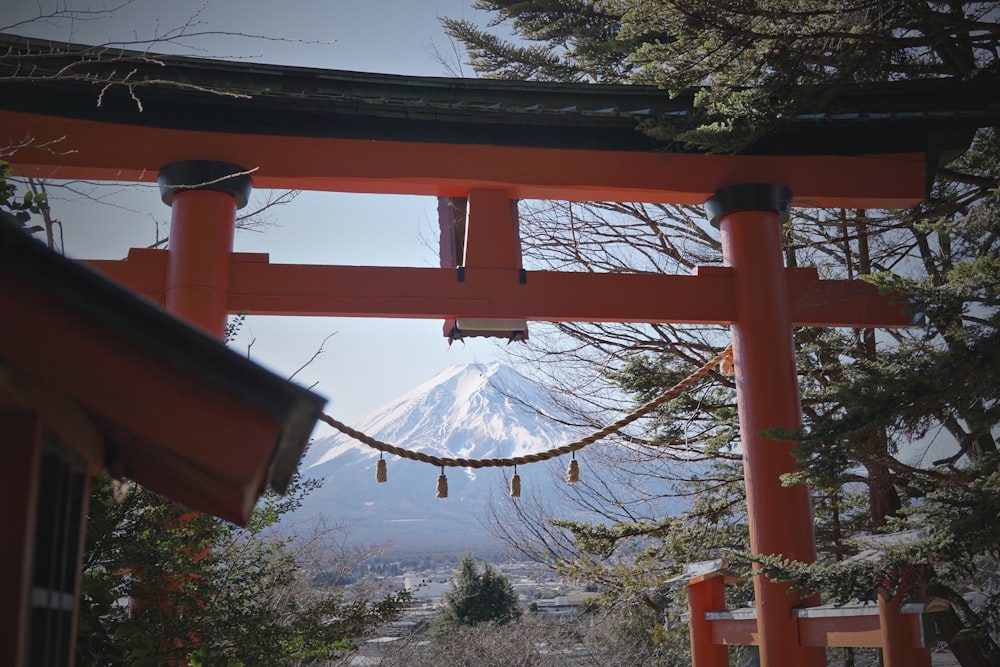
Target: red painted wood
894, 631
706, 595
215, 459
106, 151
900, 633
840, 631
768, 397
735, 632
202, 224
491, 235
261, 288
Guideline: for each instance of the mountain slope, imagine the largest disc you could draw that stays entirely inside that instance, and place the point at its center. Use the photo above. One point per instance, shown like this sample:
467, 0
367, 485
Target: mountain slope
474, 411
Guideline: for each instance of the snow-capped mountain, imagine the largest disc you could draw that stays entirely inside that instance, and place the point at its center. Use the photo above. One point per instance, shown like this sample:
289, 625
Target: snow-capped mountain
474, 411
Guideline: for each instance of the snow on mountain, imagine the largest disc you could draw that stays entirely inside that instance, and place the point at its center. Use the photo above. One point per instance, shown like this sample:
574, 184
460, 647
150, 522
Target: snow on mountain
473, 411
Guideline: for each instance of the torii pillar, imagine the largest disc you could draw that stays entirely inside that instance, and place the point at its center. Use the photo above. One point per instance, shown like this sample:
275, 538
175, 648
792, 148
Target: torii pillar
203, 197
780, 518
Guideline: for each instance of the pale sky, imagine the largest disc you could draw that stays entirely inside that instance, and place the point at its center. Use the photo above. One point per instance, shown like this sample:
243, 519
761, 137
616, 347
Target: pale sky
367, 362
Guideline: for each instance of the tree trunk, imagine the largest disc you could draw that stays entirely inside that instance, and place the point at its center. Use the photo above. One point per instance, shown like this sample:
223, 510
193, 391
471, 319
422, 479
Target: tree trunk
883, 499
971, 649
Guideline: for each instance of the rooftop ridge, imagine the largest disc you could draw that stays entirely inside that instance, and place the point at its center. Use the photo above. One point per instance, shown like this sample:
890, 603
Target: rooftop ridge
308, 101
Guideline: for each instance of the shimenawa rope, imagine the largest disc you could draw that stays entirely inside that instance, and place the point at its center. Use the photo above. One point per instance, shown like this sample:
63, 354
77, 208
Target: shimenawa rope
723, 357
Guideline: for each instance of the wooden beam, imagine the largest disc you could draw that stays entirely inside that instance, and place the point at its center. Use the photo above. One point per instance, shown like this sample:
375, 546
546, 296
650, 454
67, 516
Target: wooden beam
736, 627
824, 626
492, 238
63, 416
66, 148
143, 272
261, 288
706, 593
841, 631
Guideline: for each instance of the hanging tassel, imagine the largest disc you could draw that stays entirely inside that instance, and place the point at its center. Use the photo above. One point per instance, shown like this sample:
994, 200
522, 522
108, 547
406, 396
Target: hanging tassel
442, 488
515, 485
726, 365
381, 475
573, 472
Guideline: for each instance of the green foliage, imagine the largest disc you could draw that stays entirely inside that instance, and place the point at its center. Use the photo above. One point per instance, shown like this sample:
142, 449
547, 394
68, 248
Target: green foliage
162, 583
566, 41
961, 517
19, 209
958, 534
943, 380
477, 596
934, 391
205, 658
843, 581
872, 403
752, 64
233, 326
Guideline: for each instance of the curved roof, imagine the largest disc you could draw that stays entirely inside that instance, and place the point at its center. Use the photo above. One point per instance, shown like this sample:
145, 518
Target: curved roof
128, 113
209, 94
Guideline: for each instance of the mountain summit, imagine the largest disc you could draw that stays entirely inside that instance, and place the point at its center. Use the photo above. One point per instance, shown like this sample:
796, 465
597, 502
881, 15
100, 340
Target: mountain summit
473, 411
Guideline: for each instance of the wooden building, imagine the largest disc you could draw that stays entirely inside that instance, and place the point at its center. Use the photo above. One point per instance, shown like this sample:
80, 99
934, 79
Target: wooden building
92, 378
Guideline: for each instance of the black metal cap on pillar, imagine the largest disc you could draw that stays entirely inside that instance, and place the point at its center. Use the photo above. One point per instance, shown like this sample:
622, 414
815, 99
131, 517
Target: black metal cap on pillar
749, 197
205, 175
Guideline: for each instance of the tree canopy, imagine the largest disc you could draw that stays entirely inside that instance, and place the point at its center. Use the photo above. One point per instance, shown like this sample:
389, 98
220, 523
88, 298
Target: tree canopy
900, 427
752, 63
163, 583
478, 595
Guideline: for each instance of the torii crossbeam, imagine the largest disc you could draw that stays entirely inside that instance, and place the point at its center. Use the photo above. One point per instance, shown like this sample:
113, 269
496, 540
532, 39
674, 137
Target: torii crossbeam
492, 143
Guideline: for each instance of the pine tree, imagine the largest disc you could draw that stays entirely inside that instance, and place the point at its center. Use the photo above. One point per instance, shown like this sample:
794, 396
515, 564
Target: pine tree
750, 63
868, 399
164, 584
477, 596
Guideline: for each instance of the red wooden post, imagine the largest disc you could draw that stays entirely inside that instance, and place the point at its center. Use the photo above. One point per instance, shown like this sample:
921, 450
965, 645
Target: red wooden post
920, 655
900, 633
749, 217
492, 238
706, 594
203, 197
894, 630
491, 252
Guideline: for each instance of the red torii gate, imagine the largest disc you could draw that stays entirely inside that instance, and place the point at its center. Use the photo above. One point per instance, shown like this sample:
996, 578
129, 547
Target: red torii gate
205, 175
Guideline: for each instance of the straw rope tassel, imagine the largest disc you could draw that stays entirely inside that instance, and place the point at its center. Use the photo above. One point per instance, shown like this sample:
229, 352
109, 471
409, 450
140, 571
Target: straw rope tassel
381, 475
726, 366
573, 472
442, 488
515, 485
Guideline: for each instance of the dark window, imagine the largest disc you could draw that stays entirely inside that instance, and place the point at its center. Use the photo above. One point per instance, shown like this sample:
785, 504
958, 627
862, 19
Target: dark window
56, 561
